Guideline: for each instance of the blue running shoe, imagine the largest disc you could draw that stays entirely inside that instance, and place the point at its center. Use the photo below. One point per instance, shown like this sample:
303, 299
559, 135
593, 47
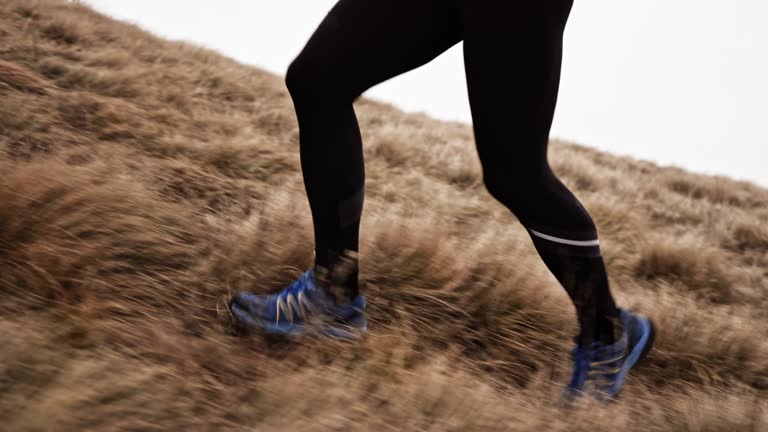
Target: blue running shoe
600, 370
300, 308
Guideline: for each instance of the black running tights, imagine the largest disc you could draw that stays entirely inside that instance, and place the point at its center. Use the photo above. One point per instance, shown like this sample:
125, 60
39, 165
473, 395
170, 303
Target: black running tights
512, 56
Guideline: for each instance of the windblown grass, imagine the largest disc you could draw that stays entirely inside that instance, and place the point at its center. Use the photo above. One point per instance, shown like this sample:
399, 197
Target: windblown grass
144, 181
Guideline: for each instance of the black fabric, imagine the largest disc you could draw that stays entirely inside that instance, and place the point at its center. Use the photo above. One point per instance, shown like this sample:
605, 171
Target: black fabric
586, 282
512, 56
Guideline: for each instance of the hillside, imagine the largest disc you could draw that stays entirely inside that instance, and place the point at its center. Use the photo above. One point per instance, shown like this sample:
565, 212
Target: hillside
143, 181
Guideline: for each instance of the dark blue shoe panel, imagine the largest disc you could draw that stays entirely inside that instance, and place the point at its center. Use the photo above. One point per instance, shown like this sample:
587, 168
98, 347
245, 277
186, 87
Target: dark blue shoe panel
640, 337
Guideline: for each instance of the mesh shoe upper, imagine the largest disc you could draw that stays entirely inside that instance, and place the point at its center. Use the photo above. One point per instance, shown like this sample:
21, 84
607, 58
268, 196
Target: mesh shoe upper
600, 369
296, 307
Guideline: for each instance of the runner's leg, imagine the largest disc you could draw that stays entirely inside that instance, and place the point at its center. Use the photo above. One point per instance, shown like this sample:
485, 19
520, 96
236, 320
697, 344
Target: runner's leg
360, 43
512, 55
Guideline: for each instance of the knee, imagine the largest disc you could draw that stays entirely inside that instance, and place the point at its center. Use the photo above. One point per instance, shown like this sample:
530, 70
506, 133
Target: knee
504, 191
298, 78
309, 80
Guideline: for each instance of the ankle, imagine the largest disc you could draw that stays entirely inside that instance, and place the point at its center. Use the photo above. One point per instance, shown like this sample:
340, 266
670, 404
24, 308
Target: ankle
339, 279
609, 330
605, 330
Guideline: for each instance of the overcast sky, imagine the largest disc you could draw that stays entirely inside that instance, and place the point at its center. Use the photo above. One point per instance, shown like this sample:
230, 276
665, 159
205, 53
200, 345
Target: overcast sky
681, 82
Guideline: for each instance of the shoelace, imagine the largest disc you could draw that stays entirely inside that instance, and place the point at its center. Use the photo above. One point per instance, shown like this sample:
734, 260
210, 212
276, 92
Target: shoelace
600, 374
293, 302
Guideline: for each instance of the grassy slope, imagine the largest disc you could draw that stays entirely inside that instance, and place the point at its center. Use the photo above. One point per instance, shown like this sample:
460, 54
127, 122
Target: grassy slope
143, 181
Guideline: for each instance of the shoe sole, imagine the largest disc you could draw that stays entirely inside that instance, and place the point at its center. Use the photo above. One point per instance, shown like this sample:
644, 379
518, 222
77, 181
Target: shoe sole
244, 325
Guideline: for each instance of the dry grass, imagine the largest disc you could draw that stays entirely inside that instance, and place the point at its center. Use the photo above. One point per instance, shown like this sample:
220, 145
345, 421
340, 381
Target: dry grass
143, 182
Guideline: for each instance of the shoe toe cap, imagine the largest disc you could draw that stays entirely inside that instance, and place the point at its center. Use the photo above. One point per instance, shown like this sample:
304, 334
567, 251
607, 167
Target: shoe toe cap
248, 306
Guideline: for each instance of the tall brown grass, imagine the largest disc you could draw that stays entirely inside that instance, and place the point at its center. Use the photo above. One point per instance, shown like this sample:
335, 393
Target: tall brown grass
142, 182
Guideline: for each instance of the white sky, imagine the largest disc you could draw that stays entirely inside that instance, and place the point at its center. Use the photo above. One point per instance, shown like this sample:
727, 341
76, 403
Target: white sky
682, 82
